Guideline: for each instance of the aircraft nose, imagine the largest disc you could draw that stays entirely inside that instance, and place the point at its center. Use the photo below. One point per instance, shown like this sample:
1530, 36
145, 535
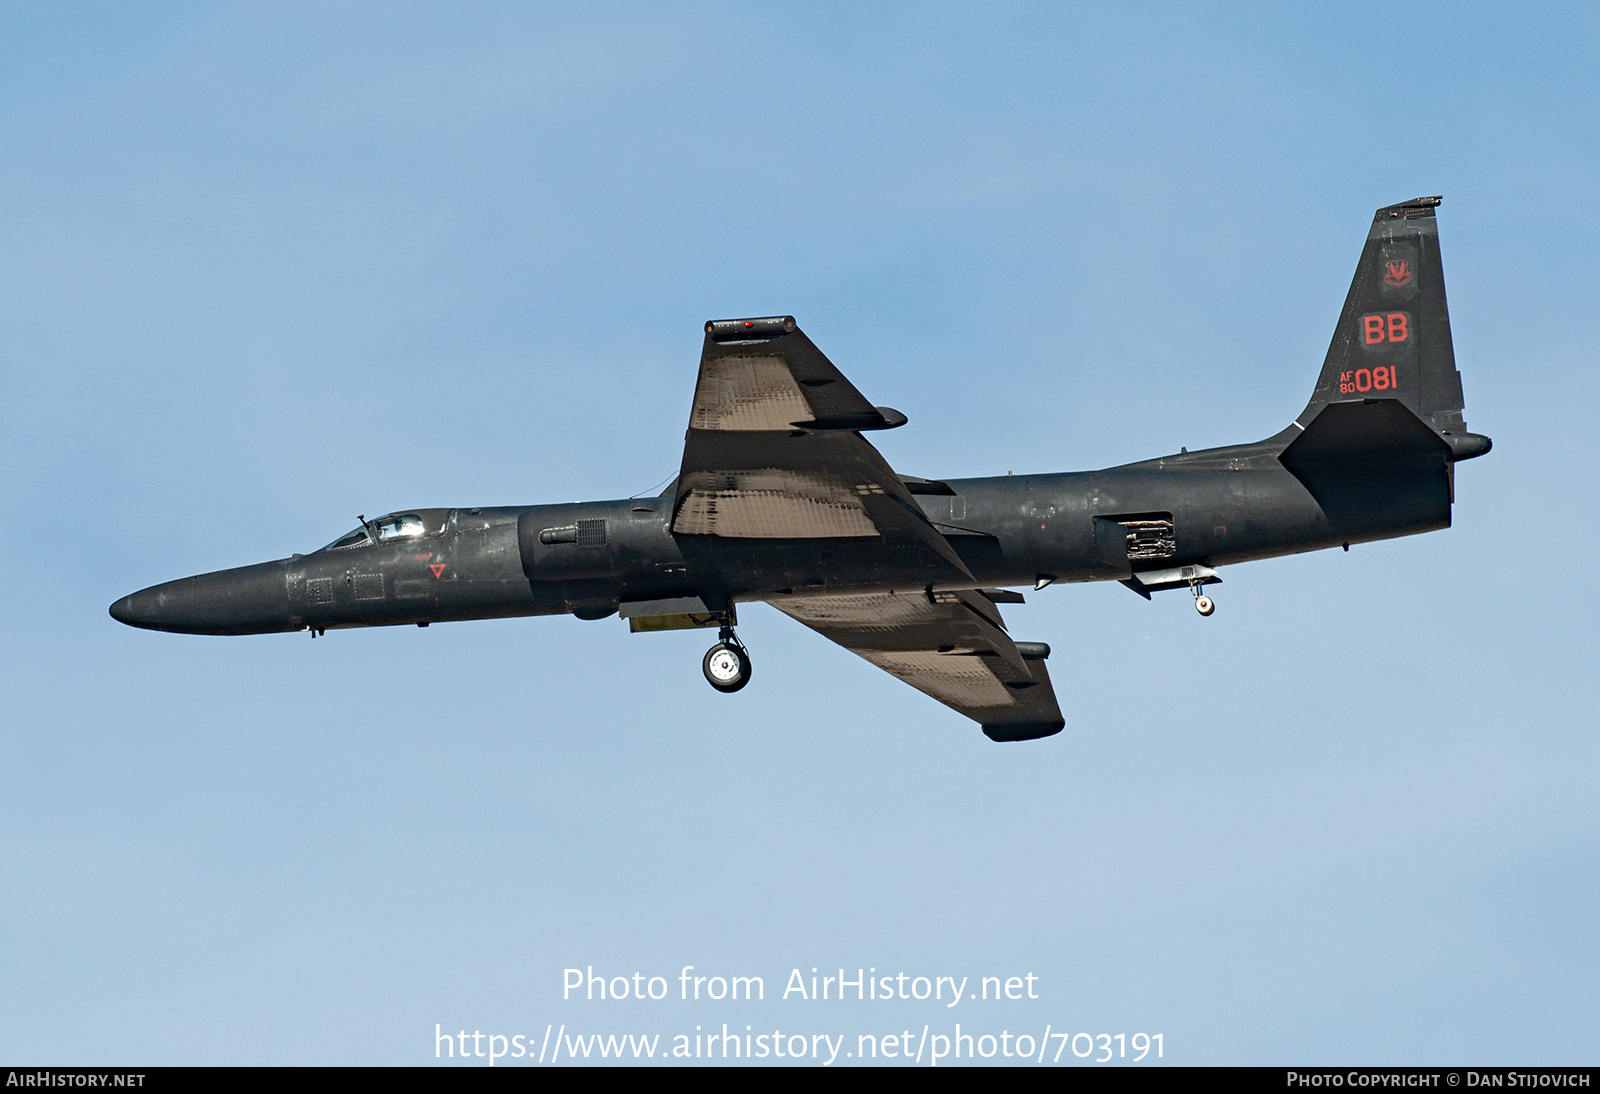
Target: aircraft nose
246, 600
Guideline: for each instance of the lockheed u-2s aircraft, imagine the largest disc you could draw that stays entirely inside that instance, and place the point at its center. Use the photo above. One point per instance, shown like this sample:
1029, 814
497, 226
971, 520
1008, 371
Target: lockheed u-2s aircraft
781, 499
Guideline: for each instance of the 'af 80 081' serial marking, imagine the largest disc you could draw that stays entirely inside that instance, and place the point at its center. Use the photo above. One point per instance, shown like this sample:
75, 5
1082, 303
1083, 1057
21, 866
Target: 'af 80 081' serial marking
1382, 378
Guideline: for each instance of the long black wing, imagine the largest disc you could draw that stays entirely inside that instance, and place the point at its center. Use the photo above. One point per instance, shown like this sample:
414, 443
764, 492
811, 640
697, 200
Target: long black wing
949, 645
774, 450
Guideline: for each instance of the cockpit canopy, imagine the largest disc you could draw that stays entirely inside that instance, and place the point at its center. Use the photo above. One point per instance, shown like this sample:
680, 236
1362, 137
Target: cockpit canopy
394, 526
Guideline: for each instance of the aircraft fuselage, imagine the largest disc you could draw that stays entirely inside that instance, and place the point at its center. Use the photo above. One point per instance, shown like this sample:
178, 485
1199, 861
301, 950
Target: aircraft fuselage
1208, 508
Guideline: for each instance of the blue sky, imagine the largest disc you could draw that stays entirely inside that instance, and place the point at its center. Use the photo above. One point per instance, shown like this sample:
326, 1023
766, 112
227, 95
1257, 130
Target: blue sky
263, 268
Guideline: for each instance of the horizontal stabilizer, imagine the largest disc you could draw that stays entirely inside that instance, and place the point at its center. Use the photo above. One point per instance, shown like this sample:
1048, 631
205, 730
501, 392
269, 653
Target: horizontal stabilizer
1373, 465
1373, 431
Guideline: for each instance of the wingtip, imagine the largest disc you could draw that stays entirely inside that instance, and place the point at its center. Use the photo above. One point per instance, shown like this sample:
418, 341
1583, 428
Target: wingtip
1023, 731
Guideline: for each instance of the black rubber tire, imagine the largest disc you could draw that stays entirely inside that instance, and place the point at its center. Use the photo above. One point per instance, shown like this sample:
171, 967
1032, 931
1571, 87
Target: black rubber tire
719, 660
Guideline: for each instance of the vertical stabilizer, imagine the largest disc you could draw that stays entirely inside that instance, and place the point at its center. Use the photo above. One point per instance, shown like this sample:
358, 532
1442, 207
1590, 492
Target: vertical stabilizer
1376, 444
1393, 337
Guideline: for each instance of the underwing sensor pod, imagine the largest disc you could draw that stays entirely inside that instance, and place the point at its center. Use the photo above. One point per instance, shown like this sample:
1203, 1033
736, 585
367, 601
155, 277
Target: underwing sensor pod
780, 498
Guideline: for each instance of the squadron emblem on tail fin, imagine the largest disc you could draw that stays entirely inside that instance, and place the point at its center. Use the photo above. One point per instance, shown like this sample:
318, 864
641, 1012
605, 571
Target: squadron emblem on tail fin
1397, 273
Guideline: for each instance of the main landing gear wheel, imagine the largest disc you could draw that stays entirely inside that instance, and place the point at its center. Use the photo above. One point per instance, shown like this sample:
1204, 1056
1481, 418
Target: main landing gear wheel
726, 665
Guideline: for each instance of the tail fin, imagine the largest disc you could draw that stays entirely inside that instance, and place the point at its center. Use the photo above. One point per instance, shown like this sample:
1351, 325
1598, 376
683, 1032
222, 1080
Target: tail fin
1393, 337
1377, 444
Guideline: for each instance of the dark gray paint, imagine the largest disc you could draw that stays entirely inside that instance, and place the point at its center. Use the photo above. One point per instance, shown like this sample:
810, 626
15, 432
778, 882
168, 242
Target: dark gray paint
1362, 462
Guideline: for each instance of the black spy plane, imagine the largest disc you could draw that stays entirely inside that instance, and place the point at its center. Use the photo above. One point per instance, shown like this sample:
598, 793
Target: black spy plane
781, 499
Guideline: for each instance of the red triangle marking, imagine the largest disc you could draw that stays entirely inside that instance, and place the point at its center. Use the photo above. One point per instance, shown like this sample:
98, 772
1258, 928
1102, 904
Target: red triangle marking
437, 568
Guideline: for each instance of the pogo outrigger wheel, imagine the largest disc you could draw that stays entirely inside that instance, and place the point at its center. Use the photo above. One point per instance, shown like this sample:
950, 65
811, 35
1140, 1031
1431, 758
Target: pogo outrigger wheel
1202, 603
727, 665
